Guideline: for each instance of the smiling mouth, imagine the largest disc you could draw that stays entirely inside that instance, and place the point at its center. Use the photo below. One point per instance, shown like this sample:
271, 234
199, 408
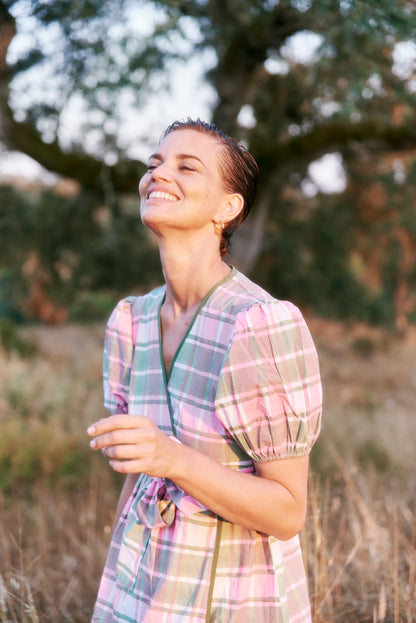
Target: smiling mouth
158, 194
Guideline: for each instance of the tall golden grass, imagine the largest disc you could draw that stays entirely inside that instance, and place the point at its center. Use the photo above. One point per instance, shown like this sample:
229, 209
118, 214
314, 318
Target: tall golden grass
58, 498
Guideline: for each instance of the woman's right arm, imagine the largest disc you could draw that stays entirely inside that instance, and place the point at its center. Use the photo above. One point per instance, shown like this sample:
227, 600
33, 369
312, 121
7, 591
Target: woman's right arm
118, 353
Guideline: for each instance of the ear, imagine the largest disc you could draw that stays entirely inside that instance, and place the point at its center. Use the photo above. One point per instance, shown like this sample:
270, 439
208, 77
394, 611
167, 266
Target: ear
231, 208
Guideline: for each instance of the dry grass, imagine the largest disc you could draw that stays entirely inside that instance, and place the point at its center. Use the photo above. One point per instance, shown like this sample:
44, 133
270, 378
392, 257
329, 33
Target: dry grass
58, 498
52, 549
360, 537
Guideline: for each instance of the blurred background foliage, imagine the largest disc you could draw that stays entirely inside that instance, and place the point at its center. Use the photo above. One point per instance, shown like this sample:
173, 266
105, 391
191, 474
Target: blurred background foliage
303, 83
294, 79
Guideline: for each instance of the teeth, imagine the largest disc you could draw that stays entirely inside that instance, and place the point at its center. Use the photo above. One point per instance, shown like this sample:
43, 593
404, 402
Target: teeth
158, 194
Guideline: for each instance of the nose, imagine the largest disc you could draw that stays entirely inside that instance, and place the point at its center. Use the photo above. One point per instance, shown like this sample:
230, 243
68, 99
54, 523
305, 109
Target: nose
162, 171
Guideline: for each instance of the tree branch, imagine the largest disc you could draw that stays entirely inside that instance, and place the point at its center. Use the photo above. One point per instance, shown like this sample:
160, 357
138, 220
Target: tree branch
24, 137
331, 136
87, 170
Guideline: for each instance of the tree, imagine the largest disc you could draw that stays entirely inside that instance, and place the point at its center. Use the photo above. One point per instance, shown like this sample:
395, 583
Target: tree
346, 96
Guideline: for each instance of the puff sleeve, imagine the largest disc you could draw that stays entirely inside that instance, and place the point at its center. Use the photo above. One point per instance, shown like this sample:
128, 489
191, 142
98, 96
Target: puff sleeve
118, 353
269, 395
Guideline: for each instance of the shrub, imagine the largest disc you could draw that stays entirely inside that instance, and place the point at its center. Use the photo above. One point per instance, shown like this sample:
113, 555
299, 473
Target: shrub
12, 341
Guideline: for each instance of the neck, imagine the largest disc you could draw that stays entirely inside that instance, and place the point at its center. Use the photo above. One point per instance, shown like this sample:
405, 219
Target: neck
190, 274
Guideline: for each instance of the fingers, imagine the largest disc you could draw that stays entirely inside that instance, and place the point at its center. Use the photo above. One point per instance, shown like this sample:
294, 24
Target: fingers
120, 429
121, 453
134, 444
117, 437
116, 422
127, 455
127, 467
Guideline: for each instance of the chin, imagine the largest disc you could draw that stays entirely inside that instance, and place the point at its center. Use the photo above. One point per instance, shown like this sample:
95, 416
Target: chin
151, 221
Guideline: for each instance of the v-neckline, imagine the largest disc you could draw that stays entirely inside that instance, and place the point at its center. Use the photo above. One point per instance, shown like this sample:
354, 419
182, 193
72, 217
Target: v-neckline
167, 373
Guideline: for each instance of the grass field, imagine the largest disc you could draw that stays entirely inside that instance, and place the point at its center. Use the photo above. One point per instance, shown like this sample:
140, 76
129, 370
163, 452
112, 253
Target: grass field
57, 497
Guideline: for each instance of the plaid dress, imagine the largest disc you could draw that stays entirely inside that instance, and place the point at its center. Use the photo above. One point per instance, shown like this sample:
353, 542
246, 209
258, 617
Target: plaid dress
244, 387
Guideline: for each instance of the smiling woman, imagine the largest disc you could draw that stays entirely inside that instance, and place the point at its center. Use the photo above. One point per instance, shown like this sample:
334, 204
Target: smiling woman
206, 529
186, 169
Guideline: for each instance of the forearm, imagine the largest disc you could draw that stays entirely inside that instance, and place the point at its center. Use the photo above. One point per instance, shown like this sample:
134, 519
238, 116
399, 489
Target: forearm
255, 502
273, 502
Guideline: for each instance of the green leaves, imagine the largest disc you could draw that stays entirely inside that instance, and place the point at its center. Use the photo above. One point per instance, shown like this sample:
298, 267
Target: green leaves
312, 77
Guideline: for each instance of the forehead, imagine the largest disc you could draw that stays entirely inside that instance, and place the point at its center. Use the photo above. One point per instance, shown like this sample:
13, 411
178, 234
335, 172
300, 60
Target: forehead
190, 141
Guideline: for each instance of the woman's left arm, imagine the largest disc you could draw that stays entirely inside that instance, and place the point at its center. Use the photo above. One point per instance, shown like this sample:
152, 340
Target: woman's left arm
273, 501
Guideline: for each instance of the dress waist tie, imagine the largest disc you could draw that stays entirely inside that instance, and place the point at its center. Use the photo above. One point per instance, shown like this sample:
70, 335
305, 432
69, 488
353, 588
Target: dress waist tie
158, 500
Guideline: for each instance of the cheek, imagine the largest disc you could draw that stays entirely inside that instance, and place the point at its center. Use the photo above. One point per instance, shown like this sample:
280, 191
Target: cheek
143, 185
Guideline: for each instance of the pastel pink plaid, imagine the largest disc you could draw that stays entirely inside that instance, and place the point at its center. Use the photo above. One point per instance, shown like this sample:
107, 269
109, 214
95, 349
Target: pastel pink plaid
244, 387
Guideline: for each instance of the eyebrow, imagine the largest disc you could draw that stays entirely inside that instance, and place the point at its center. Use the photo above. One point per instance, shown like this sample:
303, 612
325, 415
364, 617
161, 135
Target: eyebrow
179, 157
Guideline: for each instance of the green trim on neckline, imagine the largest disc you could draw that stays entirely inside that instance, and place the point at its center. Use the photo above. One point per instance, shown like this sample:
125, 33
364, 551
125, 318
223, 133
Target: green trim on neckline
191, 324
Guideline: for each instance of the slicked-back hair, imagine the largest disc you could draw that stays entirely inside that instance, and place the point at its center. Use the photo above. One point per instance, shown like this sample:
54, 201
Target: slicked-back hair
237, 167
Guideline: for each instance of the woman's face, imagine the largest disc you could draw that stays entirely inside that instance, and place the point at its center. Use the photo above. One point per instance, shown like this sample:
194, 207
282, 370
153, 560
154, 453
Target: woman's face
182, 187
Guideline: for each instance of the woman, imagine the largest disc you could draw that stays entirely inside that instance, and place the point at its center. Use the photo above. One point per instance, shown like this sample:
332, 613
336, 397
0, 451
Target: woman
215, 393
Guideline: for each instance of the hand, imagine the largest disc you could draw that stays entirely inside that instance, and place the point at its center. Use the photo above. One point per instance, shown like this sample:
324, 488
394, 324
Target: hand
134, 444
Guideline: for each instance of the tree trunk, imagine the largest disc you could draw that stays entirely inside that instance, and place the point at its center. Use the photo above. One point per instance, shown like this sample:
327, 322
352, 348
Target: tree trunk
7, 32
248, 239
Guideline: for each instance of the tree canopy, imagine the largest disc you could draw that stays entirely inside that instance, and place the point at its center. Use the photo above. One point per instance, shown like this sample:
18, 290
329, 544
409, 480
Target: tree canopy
293, 79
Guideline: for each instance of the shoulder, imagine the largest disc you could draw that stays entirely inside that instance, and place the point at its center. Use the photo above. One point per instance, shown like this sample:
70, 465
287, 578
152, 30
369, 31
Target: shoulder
254, 307
124, 305
266, 326
240, 293
139, 305
132, 310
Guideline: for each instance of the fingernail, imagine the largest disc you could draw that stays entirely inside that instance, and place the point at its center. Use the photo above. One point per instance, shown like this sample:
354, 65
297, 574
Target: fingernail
93, 443
91, 430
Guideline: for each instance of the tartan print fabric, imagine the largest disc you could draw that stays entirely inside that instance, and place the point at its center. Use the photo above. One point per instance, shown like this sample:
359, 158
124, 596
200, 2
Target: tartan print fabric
244, 387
